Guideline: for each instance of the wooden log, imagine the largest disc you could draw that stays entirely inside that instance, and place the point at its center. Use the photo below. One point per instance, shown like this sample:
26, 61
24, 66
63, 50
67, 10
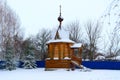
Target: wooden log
57, 63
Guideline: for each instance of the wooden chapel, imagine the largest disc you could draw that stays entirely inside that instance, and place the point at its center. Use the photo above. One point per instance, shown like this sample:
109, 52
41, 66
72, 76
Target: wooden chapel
63, 52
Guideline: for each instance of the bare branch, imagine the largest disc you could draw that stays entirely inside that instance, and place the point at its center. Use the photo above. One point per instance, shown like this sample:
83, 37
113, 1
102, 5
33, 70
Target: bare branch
75, 32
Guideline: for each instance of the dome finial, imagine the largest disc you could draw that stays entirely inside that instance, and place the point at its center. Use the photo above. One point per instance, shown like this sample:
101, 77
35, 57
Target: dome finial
60, 19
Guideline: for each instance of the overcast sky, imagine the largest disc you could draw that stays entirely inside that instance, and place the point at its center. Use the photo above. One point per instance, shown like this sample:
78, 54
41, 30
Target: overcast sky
37, 14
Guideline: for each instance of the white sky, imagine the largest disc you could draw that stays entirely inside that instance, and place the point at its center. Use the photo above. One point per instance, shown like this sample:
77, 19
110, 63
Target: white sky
37, 14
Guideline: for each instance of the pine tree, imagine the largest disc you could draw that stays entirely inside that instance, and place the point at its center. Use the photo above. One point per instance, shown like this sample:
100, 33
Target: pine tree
9, 57
29, 62
2, 65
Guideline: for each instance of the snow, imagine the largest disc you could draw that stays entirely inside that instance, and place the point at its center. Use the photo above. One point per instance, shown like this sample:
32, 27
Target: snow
60, 40
47, 58
56, 58
67, 58
76, 45
40, 74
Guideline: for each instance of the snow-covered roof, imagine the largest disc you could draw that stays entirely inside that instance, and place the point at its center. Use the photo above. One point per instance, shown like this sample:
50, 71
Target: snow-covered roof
118, 57
62, 33
64, 37
76, 45
100, 57
115, 58
60, 40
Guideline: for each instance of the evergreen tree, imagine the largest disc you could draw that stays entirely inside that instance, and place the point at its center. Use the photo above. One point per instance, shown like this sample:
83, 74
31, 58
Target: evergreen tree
9, 57
2, 65
29, 61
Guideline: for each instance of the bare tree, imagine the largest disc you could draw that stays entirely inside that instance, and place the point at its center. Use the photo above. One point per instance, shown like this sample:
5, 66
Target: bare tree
114, 46
93, 31
9, 26
75, 32
18, 48
112, 18
111, 15
27, 47
40, 42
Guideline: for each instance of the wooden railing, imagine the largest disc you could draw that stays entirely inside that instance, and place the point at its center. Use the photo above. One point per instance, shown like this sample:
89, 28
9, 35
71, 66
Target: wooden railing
76, 59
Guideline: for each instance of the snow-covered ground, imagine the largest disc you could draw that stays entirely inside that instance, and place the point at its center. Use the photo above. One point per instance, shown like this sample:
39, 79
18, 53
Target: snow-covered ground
40, 74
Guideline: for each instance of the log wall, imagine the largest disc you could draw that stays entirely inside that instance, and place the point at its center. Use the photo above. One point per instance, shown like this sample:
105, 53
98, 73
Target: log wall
57, 64
59, 50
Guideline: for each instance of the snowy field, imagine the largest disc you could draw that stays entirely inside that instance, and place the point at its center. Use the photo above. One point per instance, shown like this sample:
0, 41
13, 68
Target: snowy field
40, 74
